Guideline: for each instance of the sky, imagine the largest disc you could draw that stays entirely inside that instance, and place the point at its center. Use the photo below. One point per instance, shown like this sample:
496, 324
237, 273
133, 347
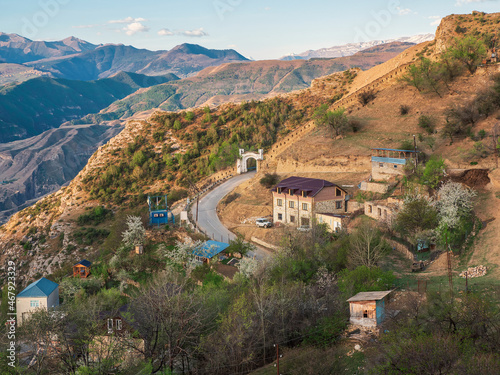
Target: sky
258, 29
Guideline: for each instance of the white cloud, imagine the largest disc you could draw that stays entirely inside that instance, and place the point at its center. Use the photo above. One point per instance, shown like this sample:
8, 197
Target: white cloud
134, 28
85, 26
165, 32
128, 20
436, 20
405, 11
198, 33
462, 2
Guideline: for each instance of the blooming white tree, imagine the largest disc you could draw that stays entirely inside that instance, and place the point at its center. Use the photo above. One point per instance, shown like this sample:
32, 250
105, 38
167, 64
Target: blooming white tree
135, 233
455, 202
247, 266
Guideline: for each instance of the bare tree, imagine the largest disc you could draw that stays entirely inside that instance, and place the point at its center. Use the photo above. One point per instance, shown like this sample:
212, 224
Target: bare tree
366, 246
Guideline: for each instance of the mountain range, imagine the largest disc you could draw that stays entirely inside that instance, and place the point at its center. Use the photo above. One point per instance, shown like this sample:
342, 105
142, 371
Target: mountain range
76, 59
352, 48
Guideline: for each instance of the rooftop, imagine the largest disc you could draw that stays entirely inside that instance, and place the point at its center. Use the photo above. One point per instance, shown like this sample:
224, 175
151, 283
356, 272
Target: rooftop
40, 288
84, 263
369, 296
210, 249
311, 185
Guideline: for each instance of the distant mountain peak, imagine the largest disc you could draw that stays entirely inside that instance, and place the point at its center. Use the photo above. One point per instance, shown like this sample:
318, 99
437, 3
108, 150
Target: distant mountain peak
351, 48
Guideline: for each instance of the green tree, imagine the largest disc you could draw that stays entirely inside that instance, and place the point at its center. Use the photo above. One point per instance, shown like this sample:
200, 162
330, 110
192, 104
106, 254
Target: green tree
434, 172
336, 120
417, 215
470, 51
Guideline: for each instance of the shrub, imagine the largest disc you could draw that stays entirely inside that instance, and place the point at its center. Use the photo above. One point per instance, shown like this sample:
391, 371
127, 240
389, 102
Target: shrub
404, 109
231, 198
407, 144
426, 123
269, 180
366, 97
434, 172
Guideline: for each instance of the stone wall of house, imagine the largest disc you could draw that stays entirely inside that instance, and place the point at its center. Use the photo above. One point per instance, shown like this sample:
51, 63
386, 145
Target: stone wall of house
386, 171
330, 207
287, 212
380, 212
375, 187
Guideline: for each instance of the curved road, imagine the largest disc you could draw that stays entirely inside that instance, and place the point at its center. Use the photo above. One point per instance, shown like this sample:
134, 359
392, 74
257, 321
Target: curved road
209, 222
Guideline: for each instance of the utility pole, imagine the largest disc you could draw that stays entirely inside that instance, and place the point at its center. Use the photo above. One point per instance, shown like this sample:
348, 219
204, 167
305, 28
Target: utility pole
197, 192
450, 276
277, 359
466, 282
415, 147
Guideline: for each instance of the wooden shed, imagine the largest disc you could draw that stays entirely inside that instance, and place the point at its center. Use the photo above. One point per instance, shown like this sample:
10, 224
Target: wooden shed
82, 269
368, 308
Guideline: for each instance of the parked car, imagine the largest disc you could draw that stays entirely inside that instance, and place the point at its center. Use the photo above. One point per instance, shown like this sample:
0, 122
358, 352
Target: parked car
263, 223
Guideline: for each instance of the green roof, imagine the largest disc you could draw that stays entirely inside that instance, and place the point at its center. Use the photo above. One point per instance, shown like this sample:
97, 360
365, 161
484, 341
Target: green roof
40, 288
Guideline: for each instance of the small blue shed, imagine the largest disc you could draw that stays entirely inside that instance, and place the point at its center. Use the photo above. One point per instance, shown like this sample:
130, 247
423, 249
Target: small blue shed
209, 249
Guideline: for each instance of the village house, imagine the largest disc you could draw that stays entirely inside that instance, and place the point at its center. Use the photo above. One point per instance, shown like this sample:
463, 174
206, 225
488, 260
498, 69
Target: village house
334, 222
368, 309
42, 294
384, 211
296, 200
388, 162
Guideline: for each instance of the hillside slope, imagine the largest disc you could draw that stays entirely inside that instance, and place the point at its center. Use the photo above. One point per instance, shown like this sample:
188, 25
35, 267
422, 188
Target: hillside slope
29, 108
244, 81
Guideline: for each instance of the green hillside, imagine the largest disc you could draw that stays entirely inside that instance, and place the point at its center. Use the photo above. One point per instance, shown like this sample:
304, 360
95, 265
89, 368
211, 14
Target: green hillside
31, 107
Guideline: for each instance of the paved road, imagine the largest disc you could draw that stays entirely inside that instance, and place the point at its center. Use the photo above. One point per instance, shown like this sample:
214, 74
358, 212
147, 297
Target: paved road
208, 220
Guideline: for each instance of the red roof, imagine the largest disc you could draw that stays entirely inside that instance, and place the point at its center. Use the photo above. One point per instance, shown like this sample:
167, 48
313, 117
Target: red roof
298, 184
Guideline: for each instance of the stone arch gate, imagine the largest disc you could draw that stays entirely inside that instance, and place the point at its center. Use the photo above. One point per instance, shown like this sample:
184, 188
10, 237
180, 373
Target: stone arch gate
241, 163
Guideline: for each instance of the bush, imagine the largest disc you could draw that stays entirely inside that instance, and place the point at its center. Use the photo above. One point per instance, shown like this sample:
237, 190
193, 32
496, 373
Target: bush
366, 97
407, 144
269, 180
426, 123
95, 217
231, 198
404, 109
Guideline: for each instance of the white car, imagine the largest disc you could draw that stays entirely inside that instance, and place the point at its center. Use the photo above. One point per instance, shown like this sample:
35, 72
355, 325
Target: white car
263, 223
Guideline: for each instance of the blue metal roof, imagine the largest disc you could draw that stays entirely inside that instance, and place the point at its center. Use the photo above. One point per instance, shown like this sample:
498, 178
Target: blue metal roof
40, 288
84, 263
210, 249
388, 160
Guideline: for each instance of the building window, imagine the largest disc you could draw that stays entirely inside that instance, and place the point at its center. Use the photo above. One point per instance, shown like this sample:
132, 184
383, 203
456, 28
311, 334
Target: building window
338, 192
34, 303
338, 205
291, 204
280, 216
290, 191
279, 190
118, 324
292, 219
396, 166
381, 165
304, 194
110, 325
379, 212
369, 209
279, 202
304, 221
365, 314
304, 206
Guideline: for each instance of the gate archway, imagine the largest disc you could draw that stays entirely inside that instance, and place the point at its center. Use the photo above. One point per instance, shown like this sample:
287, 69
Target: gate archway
242, 162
